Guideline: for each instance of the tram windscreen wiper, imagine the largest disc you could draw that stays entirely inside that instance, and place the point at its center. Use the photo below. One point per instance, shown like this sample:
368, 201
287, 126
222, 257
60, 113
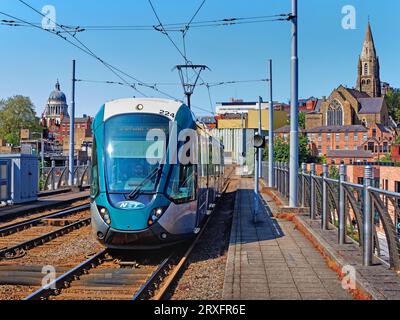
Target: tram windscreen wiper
135, 191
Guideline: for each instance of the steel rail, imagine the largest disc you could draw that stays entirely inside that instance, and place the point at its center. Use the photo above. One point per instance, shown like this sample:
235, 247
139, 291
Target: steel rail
178, 268
13, 228
31, 243
60, 281
147, 286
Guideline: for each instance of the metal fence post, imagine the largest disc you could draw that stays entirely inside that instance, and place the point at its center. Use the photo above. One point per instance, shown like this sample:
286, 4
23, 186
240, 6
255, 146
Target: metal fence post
53, 180
367, 218
280, 178
324, 220
312, 191
284, 179
342, 209
275, 176
303, 184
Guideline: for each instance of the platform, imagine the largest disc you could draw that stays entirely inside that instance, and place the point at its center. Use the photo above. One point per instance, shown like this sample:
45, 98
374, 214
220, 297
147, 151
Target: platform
44, 202
273, 260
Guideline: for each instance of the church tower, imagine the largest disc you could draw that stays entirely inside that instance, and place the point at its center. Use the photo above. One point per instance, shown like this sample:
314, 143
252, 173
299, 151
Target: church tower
368, 79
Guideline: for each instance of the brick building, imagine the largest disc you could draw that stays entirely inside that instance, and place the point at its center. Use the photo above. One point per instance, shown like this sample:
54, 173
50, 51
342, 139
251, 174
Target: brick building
353, 124
55, 120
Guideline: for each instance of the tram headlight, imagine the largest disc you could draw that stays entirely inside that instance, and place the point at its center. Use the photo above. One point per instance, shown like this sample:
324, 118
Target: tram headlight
156, 214
104, 214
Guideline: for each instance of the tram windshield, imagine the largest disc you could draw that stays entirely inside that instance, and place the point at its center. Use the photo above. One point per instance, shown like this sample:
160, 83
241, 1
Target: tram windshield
135, 145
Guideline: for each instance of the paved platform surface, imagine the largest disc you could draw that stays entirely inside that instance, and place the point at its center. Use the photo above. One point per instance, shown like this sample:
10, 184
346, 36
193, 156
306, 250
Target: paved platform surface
42, 203
272, 260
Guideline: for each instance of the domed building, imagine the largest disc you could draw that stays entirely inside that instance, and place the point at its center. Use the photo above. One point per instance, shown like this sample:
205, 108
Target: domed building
56, 107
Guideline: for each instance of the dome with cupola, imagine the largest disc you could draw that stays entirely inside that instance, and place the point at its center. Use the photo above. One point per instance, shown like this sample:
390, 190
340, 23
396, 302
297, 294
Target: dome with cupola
56, 107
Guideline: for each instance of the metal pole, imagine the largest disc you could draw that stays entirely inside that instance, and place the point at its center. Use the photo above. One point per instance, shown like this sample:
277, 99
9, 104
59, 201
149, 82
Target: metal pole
260, 133
303, 184
42, 153
256, 178
342, 210
294, 126
271, 132
368, 216
325, 219
188, 99
312, 192
72, 129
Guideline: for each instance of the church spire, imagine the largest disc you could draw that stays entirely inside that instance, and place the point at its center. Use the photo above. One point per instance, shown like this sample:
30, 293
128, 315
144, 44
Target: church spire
368, 79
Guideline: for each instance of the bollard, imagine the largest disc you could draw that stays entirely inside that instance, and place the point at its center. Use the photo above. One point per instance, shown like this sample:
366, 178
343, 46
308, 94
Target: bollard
367, 219
303, 184
342, 209
324, 220
312, 192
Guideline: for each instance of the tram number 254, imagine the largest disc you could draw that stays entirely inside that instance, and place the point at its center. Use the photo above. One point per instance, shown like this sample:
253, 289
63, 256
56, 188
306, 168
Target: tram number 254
167, 113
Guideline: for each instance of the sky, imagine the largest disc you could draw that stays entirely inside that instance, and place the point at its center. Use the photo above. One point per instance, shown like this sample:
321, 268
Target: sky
31, 59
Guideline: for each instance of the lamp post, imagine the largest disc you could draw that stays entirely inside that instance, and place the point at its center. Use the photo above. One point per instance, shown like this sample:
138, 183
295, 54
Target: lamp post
294, 125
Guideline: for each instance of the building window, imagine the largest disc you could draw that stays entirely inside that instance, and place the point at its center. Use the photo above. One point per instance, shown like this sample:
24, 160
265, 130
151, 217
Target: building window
365, 137
328, 136
313, 136
337, 147
374, 133
328, 148
351, 161
335, 114
364, 122
337, 136
319, 137
365, 69
385, 147
355, 136
355, 148
346, 147
346, 137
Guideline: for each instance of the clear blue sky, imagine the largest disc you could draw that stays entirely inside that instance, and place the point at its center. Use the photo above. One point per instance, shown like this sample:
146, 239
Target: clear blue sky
31, 60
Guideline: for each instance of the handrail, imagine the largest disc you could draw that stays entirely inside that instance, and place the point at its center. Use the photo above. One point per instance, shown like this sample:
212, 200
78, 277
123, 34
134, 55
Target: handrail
358, 211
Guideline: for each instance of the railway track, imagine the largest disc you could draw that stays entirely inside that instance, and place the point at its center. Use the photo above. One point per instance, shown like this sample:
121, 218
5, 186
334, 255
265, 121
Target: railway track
18, 237
108, 275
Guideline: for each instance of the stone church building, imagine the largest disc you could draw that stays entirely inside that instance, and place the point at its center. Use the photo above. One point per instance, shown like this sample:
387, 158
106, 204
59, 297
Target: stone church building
353, 125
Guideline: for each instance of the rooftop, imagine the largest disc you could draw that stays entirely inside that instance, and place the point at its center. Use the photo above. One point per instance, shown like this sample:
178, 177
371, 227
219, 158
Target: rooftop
351, 128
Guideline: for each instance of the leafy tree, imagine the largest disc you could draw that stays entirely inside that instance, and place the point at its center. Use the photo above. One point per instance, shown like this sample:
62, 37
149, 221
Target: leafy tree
302, 120
282, 150
17, 113
393, 103
333, 172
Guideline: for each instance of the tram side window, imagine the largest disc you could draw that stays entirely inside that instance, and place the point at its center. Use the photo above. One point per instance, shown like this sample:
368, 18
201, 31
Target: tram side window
94, 188
180, 186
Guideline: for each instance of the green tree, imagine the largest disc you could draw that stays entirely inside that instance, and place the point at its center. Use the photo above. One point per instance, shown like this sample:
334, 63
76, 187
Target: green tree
282, 150
333, 172
17, 113
393, 103
302, 120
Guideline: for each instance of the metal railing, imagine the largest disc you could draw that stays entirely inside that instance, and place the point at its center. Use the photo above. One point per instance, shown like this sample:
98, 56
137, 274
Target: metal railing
56, 177
368, 216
